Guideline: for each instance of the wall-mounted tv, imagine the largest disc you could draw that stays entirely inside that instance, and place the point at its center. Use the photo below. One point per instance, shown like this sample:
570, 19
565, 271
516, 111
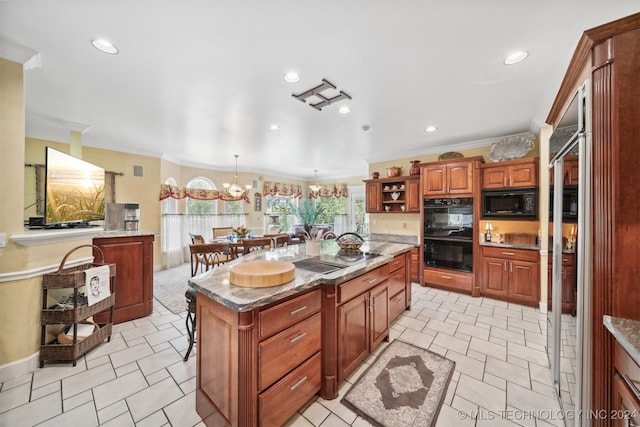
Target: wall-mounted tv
74, 191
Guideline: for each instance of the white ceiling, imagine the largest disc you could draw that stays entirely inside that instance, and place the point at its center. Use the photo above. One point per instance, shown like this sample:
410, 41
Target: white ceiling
199, 81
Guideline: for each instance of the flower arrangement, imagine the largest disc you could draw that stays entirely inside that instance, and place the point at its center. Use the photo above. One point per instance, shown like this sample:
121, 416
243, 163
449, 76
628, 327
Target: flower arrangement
241, 231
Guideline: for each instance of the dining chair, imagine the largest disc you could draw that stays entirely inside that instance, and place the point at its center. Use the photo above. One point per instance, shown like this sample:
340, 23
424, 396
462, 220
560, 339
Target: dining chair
280, 240
219, 232
203, 256
256, 244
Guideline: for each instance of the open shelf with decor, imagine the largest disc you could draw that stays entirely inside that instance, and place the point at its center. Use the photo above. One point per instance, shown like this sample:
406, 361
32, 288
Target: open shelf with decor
73, 311
393, 195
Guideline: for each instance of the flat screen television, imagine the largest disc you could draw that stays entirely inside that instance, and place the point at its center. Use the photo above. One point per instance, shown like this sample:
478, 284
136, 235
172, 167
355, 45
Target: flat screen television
74, 191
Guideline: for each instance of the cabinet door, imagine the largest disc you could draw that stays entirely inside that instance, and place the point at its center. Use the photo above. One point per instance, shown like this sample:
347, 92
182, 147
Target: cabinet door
412, 195
374, 197
379, 308
353, 335
494, 277
625, 404
434, 180
460, 178
524, 280
568, 274
494, 177
570, 171
414, 265
523, 175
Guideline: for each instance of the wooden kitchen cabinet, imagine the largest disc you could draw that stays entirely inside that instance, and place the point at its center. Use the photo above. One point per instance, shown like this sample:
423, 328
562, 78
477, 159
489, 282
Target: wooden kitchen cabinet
570, 169
393, 195
568, 283
257, 367
458, 281
133, 257
449, 178
510, 174
626, 389
414, 263
363, 322
510, 274
399, 286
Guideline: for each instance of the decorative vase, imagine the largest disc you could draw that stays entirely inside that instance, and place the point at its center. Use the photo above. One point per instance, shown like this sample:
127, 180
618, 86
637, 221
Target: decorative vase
415, 167
375, 175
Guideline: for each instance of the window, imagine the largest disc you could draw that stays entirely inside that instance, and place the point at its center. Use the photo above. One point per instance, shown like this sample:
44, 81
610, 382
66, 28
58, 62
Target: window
279, 212
169, 205
235, 207
329, 207
195, 206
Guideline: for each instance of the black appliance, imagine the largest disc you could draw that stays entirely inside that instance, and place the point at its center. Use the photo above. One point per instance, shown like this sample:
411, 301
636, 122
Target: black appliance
517, 203
569, 203
448, 233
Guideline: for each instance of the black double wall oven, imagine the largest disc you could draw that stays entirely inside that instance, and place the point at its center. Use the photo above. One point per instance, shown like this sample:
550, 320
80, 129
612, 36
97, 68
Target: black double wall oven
448, 233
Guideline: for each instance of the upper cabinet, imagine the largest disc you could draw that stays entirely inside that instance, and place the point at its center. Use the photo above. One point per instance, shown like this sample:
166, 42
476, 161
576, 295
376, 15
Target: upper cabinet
510, 174
448, 178
570, 171
393, 195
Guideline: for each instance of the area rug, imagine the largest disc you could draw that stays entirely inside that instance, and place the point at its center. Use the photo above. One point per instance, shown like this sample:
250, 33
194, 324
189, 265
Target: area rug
405, 386
170, 285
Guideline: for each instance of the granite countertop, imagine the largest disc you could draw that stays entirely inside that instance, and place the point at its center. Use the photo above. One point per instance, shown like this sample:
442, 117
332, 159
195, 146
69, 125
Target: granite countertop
215, 283
626, 332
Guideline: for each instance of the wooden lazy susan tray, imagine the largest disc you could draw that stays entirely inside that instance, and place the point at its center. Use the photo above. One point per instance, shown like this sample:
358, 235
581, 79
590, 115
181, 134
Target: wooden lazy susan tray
260, 274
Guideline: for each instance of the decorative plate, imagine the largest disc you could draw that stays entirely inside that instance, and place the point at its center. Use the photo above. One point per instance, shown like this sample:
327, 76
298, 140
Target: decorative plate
450, 155
510, 148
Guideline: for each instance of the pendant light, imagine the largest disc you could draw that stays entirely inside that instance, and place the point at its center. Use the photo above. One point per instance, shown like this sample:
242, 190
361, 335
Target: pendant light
315, 187
234, 189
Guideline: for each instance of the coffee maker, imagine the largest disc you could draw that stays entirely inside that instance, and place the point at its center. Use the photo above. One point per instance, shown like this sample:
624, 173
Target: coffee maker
122, 216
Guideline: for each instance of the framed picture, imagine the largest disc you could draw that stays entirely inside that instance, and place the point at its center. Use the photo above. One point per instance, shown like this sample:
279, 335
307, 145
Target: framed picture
258, 202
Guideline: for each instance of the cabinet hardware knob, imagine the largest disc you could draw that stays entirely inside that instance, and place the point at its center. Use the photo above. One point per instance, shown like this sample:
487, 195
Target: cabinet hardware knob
298, 337
298, 310
298, 383
508, 253
371, 280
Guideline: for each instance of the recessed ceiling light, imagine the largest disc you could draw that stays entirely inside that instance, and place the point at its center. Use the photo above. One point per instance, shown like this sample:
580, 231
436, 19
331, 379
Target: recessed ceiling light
431, 129
516, 57
104, 46
344, 109
274, 127
291, 77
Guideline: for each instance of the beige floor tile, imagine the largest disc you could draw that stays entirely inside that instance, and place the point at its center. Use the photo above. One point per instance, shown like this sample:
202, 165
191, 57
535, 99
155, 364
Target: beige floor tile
87, 380
483, 394
116, 390
149, 400
131, 354
84, 414
16, 396
181, 411
316, 413
33, 412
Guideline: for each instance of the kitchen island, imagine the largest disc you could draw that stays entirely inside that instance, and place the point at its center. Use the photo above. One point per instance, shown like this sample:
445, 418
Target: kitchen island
264, 352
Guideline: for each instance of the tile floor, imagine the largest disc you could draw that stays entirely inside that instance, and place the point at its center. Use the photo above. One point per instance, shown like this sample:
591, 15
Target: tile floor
502, 375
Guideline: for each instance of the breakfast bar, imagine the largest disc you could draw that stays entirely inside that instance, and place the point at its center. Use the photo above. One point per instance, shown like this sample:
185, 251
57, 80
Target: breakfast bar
263, 352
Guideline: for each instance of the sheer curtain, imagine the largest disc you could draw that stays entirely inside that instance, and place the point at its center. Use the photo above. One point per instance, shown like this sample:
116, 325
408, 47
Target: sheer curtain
175, 231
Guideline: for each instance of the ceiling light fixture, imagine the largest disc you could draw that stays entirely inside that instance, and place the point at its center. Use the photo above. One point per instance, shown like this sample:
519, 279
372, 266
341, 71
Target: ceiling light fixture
104, 46
274, 127
234, 189
315, 187
344, 109
291, 77
431, 129
516, 57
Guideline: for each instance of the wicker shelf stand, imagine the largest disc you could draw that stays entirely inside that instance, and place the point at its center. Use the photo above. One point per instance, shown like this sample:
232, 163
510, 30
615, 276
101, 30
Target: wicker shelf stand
74, 278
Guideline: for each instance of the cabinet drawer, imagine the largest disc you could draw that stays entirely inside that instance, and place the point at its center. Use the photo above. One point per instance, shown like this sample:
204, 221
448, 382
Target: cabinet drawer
275, 319
397, 304
397, 262
448, 279
280, 402
286, 350
397, 280
626, 366
508, 253
361, 284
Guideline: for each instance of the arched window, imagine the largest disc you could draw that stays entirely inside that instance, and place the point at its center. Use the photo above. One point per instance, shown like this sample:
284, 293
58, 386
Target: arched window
170, 205
201, 206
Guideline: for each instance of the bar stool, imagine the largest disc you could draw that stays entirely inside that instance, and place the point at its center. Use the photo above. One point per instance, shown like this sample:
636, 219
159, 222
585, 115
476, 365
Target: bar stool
190, 320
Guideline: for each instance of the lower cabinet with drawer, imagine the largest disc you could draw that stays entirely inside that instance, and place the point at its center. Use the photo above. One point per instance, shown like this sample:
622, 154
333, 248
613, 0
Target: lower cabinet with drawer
511, 274
257, 367
448, 279
626, 389
399, 286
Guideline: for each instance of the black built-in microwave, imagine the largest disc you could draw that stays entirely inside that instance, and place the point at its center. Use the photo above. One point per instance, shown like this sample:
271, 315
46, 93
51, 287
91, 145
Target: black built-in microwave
510, 203
569, 203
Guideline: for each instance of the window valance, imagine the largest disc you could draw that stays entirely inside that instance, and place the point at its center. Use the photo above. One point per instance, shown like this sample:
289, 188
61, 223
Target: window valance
333, 190
176, 192
273, 188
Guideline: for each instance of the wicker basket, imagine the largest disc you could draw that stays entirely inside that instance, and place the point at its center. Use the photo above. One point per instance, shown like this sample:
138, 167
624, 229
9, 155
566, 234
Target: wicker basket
74, 277
65, 338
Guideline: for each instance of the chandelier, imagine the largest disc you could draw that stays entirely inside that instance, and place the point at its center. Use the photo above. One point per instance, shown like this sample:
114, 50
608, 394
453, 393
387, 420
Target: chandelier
234, 189
315, 187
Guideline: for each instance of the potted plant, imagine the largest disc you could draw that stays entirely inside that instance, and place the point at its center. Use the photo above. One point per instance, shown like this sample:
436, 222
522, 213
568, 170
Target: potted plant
308, 213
